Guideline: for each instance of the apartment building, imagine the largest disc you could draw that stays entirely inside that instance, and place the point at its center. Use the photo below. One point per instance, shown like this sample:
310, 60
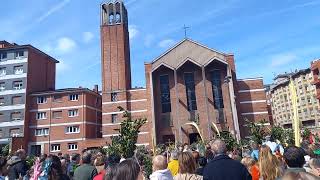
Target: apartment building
63, 120
23, 70
307, 102
315, 68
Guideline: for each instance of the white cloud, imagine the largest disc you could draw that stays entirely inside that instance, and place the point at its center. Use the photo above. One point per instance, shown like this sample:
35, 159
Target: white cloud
87, 36
133, 31
52, 10
282, 59
166, 43
65, 45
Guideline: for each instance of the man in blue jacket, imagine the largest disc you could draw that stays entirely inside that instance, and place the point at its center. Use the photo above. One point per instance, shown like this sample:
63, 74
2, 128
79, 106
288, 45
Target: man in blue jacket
222, 167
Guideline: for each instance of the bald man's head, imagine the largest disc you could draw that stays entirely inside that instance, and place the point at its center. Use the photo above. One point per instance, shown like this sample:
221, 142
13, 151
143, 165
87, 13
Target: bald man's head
159, 163
219, 146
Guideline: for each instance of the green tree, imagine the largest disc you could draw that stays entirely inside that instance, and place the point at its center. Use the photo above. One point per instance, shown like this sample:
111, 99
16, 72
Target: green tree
256, 130
278, 132
230, 141
306, 134
5, 150
125, 143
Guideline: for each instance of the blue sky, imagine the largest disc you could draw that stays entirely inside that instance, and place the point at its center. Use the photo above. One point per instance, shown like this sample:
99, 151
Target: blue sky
266, 37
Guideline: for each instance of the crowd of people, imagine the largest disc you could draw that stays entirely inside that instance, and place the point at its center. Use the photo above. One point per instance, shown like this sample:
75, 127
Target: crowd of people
263, 162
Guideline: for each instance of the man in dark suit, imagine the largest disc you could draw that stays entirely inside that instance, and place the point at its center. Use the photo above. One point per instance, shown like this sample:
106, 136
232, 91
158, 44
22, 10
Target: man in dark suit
222, 167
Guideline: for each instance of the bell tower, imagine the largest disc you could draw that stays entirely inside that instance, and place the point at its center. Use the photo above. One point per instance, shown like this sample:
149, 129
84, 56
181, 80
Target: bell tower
115, 49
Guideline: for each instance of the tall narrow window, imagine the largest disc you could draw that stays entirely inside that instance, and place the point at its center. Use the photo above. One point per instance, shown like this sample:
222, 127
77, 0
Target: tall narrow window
114, 97
190, 91
165, 94
216, 89
3, 71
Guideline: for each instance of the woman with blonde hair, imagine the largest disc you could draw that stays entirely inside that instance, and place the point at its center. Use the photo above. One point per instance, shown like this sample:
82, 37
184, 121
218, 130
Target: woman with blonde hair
187, 167
269, 165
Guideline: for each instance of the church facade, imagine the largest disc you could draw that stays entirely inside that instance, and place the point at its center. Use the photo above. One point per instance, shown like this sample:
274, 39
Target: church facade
192, 91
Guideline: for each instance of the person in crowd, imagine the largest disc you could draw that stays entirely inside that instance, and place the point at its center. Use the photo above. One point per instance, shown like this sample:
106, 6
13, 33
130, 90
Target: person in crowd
99, 163
294, 158
223, 167
187, 167
60, 155
3, 168
253, 169
209, 155
112, 161
128, 169
159, 169
173, 165
298, 176
17, 165
202, 163
75, 162
86, 171
55, 172
255, 151
269, 165
196, 156
315, 166
186, 147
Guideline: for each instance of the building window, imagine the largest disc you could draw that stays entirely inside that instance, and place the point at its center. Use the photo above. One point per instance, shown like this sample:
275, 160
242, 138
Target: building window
190, 91
114, 118
73, 146
216, 89
19, 54
3, 71
111, 18
73, 113
3, 55
55, 147
118, 18
1, 133
17, 85
74, 97
114, 97
2, 86
16, 116
165, 94
41, 100
18, 69
2, 101
16, 100
57, 98
57, 114
41, 115
72, 129
41, 132
15, 132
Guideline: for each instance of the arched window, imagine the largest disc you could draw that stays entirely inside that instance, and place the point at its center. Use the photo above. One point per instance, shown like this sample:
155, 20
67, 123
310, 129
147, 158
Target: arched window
111, 18
118, 18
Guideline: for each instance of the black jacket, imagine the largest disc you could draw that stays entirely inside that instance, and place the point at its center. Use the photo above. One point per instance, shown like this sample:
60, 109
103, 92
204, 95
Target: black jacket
223, 167
17, 168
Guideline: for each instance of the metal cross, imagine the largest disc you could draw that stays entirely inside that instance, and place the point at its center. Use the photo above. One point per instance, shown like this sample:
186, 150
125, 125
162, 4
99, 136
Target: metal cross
185, 30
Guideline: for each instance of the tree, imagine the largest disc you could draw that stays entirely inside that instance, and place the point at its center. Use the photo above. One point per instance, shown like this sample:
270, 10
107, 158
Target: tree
125, 143
230, 141
306, 134
5, 150
278, 132
256, 130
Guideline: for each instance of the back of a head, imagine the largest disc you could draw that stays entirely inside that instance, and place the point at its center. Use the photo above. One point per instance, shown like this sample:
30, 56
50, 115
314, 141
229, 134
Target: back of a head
159, 163
248, 162
99, 161
113, 159
55, 165
86, 157
174, 155
128, 169
294, 157
269, 165
291, 175
21, 153
187, 163
219, 147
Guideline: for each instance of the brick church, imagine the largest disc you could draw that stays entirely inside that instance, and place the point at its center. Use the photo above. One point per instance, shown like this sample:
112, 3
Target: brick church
189, 88
191, 92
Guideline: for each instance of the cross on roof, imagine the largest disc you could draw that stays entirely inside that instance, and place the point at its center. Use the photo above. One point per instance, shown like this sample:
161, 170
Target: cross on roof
185, 30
